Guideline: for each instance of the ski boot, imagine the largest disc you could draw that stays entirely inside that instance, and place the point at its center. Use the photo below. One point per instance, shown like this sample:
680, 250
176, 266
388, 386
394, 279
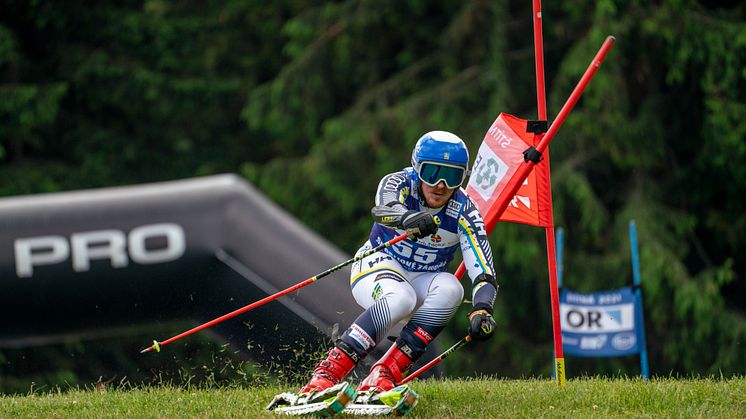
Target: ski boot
378, 394
325, 394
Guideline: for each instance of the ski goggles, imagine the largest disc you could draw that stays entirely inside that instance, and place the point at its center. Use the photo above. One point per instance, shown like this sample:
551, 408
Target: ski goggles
432, 173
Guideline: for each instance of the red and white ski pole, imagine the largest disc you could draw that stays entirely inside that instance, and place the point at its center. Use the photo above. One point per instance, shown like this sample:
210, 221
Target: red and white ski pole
157, 345
437, 360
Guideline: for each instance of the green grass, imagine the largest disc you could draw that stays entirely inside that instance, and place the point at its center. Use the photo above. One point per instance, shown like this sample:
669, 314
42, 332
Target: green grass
473, 398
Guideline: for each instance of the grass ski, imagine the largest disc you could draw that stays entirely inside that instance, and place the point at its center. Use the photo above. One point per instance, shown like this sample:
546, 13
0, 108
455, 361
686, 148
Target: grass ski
324, 404
397, 402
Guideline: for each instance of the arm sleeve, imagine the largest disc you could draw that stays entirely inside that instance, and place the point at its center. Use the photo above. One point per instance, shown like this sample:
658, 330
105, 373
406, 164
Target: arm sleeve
477, 255
391, 191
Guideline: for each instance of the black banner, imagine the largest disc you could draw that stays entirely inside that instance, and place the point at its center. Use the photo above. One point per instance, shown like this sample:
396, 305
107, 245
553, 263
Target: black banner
90, 261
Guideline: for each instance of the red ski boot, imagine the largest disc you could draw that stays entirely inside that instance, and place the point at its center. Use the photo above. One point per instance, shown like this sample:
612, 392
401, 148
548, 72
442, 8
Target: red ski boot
330, 371
378, 394
388, 371
325, 395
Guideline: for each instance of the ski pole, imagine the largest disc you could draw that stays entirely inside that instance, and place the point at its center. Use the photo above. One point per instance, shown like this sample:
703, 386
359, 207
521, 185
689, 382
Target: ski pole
437, 360
157, 345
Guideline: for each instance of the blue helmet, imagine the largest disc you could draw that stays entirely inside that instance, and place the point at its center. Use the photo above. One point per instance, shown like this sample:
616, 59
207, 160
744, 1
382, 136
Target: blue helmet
440, 155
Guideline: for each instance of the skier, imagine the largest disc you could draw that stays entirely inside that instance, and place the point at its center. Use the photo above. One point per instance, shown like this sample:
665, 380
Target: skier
408, 280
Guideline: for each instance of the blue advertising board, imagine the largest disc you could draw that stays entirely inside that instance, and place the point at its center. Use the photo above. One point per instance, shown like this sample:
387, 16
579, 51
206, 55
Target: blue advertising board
606, 323
601, 324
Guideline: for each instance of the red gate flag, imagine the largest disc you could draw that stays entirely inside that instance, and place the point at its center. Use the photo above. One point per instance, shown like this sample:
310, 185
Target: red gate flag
498, 160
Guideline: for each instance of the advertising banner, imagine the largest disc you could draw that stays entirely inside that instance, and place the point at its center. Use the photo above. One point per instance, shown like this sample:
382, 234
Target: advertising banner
601, 324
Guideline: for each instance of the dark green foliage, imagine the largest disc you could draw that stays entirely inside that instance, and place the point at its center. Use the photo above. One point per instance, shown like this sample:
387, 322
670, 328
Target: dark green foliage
315, 101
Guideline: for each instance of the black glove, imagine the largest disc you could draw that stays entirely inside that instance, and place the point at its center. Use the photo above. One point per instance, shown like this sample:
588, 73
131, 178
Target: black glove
418, 224
481, 324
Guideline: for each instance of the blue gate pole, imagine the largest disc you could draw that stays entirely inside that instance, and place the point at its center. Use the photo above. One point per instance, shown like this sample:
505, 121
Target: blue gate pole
638, 294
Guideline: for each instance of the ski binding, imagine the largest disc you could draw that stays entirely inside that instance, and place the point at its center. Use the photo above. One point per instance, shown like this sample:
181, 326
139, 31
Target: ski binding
323, 404
398, 402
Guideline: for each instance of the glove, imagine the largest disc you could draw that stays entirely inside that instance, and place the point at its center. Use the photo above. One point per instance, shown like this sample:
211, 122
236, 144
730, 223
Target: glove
418, 224
481, 324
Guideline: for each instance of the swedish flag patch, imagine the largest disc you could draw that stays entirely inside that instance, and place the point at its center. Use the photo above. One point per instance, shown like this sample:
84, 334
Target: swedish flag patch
377, 291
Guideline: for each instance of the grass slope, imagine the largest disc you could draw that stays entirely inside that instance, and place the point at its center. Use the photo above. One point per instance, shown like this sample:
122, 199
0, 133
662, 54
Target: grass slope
474, 398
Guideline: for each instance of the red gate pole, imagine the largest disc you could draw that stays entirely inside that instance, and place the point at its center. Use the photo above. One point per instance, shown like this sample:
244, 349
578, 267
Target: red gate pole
507, 195
541, 104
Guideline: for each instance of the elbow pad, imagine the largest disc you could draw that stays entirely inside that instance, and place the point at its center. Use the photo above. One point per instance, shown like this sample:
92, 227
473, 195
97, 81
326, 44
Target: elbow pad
388, 215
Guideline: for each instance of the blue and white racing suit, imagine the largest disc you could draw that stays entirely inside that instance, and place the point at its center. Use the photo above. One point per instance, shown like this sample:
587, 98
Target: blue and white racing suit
408, 280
